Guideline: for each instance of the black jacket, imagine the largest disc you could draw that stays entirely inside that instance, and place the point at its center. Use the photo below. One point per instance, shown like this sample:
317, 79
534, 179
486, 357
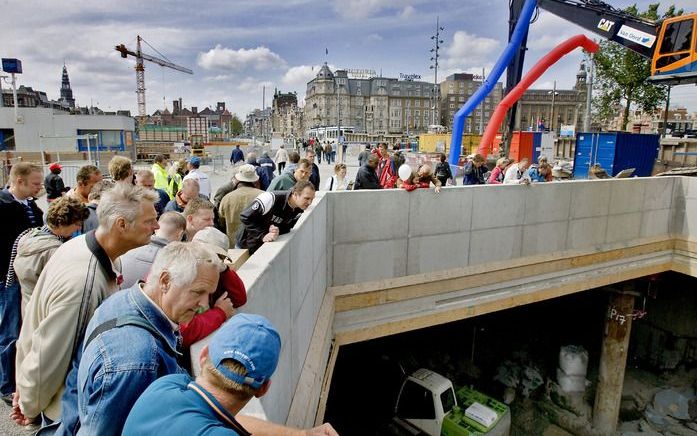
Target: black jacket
268, 208
14, 222
54, 186
314, 176
366, 178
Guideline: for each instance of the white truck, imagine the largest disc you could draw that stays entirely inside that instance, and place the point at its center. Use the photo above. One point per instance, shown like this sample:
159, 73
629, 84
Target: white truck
428, 404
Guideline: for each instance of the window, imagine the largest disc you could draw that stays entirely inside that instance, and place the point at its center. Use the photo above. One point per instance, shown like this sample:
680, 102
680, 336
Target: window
452, 98
452, 106
677, 36
416, 113
415, 402
447, 399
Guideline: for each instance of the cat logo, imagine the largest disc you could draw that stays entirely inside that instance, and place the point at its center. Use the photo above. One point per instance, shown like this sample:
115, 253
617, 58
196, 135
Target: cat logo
605, 25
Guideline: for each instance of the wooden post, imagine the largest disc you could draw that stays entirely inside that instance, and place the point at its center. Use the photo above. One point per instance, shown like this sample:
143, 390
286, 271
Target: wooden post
613, 361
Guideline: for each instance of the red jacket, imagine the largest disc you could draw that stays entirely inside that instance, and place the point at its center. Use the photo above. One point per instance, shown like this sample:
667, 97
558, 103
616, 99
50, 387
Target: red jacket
201, 326
386, 173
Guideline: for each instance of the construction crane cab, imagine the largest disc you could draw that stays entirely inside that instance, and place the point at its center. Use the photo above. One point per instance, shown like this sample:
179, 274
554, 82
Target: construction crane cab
670, 44
675, 58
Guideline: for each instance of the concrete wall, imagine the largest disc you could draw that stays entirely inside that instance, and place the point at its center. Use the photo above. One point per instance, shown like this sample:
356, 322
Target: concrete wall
381, 235
44, 122
351, 237
286, 282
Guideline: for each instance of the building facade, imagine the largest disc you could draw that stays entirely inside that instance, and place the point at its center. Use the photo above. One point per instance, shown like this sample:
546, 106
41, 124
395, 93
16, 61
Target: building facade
548, 109
66, 91
455, 90
374, 105
258, 123
286, 116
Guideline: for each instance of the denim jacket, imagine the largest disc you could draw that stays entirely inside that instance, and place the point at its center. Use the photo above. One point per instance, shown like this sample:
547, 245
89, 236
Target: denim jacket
119, 364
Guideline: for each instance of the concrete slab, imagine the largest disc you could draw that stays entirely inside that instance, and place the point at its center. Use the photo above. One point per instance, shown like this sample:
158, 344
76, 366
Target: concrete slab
586, 232
690, 220
356, 216
450, 211
437, 252
547, 202
655, 222
498, 206
371, 260
319, 230
544, 238
495, 244
301, 268
623, 227
658, 192
590, 198
302, 328
627, 195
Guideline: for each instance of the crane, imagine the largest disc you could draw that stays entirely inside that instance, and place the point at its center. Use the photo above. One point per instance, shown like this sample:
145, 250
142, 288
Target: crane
670, 44
140, 69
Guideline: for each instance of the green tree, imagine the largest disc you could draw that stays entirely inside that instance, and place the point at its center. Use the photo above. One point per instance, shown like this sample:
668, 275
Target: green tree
621, 75
236, 127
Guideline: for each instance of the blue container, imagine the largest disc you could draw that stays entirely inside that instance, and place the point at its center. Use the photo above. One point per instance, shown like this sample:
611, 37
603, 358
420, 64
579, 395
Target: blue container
615, 151
536, 146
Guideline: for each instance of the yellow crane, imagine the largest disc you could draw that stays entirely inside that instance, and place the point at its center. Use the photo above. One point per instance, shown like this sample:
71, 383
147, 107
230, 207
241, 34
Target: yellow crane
140, 69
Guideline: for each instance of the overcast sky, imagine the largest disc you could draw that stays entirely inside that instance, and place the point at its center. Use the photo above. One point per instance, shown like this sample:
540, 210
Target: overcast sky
237, 47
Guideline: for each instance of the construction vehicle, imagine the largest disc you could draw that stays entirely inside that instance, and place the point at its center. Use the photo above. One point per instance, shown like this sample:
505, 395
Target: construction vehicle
428, 404
671, 44
140, 69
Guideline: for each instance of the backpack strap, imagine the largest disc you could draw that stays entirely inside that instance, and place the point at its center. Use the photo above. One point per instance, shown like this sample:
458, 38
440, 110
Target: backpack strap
128, 320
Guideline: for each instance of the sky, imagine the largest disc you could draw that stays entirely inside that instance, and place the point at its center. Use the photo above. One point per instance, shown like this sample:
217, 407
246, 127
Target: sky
236, 48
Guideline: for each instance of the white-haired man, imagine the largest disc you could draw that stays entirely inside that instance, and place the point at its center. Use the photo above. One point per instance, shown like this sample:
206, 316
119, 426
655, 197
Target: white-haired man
79, 276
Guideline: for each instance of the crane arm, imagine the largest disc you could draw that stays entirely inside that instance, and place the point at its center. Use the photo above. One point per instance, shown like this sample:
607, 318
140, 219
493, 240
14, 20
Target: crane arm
637, 34
125, 52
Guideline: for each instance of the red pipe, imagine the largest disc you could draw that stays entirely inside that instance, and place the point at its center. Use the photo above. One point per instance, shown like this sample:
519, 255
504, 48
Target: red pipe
540, 67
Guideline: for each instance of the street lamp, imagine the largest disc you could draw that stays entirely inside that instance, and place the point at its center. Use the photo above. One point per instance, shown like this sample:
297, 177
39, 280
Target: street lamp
435, 50
554, 93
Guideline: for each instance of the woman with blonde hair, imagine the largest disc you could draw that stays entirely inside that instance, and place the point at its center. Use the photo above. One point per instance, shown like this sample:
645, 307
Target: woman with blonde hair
499, 171
339, 181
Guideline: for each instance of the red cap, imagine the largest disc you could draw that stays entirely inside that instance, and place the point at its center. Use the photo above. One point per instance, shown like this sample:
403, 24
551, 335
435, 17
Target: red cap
231, 283
55, 166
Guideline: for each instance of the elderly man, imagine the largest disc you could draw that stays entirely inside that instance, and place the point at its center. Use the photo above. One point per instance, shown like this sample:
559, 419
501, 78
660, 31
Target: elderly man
189, 190
79, 276
133, 336
136, 263
314, 173
234, 203
19, 212
146, 179
236, 366
86, 178
272, 214
199, 215
195, 173
286, 180
422, 178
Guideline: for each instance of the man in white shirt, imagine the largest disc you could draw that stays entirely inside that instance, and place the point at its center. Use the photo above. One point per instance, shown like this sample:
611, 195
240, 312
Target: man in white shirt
204, 182
517, 173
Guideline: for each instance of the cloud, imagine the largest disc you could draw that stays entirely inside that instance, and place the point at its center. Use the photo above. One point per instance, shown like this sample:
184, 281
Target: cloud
407, 12
372, 38
300, 75
220, 57
252, 85
358, 9
467, 51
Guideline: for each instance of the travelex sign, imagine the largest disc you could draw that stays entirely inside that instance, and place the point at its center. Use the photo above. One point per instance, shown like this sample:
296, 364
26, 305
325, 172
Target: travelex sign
634, 35
409, 77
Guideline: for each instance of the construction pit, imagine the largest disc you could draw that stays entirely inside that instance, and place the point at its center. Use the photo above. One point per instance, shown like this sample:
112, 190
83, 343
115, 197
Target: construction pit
369, 266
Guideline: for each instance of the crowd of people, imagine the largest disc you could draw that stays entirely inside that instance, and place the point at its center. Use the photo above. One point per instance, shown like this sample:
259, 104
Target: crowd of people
104, 292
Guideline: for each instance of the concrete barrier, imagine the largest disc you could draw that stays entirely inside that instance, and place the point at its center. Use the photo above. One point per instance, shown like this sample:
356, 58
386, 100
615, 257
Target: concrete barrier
358, 244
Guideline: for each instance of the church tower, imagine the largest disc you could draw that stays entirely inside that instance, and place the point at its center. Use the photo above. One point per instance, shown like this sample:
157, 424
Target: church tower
66, 91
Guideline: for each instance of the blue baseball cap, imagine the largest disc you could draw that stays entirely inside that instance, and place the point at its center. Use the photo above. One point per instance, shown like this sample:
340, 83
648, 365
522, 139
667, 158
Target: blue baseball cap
195, 161
250, 340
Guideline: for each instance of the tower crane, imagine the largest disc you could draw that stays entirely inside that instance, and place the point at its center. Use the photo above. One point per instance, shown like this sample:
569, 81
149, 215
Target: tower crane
140, 69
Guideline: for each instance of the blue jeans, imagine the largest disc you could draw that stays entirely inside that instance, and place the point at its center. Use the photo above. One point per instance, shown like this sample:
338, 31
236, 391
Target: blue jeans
9, 332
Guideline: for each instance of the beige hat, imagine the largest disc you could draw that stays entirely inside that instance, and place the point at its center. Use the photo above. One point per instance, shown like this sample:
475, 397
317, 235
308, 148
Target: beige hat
214, 239
247, 173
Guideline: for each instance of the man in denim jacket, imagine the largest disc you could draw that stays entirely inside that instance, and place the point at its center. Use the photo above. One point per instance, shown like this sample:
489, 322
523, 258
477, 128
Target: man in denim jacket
133, 338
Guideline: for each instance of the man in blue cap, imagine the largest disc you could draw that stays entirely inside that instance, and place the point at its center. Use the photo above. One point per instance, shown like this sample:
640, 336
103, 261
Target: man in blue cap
195, 173
236, 365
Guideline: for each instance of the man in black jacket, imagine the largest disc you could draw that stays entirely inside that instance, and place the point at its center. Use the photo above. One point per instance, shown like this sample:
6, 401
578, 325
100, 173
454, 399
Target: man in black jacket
314, 175
272, 214
54, 183
19, 212
367, 178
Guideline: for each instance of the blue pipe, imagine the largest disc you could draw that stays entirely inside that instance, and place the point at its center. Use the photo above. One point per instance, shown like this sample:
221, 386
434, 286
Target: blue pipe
521, 29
